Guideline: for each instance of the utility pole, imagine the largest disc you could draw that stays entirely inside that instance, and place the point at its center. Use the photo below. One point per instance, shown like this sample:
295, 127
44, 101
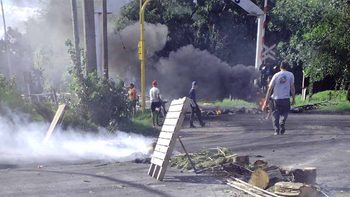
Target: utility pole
104, 38
89, 35
76, 31
6, 46
142, 53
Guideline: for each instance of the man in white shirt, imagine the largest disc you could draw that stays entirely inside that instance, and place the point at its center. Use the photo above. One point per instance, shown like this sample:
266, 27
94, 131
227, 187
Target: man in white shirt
282, 84
156, 102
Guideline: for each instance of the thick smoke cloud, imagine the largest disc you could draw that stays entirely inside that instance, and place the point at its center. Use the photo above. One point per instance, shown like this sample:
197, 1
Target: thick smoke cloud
175, 74
216, 79
123, 50
21, 141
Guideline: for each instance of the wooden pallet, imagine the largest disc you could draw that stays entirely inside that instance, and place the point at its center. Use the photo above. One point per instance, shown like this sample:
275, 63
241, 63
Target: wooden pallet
167, 138
56, 120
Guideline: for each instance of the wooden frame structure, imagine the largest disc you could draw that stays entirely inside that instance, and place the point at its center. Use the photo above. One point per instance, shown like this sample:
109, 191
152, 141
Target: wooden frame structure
167, 138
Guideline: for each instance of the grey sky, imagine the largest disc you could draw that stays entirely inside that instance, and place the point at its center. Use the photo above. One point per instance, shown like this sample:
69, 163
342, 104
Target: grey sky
17, 12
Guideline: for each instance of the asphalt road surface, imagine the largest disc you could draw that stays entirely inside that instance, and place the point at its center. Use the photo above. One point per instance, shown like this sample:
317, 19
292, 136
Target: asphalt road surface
315, 140
311, 140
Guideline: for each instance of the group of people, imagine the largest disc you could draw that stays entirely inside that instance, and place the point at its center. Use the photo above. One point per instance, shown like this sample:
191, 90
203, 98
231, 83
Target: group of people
281, 87
156, 101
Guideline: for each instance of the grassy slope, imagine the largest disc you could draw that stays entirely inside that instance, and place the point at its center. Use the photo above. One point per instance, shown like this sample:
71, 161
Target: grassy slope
141, 124
337, 104
232, 103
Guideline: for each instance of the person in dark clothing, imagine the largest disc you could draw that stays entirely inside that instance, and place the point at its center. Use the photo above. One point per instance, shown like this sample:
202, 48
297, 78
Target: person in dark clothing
194, 106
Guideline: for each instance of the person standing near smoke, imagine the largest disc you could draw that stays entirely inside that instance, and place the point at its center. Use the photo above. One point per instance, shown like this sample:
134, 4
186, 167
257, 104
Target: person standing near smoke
133, 97
282, 84
194, 106
156, 102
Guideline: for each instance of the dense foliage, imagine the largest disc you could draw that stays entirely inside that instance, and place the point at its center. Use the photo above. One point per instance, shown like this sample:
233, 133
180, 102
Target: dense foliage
316, 36
101, 101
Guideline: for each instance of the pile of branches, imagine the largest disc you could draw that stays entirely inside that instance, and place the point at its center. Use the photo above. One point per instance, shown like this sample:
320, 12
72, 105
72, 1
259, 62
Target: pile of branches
223, 163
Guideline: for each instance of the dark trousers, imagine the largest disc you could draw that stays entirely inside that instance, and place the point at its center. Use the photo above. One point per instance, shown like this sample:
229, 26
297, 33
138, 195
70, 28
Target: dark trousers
280, 110
197, 111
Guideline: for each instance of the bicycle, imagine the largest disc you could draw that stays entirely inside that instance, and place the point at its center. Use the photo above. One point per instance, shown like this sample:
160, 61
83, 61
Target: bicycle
161, 114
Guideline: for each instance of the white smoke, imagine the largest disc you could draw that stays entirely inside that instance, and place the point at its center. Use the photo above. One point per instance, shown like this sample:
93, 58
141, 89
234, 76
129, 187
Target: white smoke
21, 140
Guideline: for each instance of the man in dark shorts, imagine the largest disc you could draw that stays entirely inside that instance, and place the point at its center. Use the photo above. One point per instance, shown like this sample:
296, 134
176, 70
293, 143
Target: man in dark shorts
156, 102
194, 106
282, 84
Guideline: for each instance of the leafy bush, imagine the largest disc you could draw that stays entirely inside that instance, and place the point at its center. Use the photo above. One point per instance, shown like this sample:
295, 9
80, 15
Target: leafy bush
100, 101
10, 98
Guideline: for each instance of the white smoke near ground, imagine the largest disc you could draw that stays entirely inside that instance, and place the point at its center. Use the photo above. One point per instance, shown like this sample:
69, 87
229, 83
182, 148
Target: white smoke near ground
21, 141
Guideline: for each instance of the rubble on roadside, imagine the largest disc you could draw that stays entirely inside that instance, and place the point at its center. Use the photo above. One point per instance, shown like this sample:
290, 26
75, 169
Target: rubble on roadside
230, 166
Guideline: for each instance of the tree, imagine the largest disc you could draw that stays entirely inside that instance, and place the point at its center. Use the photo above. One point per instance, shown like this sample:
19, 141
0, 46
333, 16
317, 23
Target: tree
221, 27
316, 37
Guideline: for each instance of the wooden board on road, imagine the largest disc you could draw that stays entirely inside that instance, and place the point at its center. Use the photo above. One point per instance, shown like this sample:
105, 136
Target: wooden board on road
167, 138
56, 120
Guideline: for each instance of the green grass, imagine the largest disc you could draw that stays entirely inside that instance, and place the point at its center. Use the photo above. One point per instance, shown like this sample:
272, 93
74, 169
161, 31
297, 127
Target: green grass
335, 103
336, 107
140, 124
322, 97
233, 103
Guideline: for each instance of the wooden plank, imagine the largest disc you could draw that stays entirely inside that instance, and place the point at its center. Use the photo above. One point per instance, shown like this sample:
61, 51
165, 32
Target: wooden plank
179, 101
170, 122
151, 169
159, 155
168, 136
165, 135
162, 149
175, 108
168, 128
163, 142
56, 119
156, 172
161, 173
173, 115
175, 136
157, 161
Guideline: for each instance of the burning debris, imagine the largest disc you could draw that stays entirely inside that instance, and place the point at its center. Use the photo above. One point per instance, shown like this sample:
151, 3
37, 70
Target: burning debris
212, 111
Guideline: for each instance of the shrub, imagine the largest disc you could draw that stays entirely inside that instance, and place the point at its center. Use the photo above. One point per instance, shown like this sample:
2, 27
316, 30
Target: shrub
100, 101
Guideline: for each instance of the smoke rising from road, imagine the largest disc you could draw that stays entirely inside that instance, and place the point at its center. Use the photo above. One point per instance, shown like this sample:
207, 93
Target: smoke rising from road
123, 49
21, 141
216, 79
175, 74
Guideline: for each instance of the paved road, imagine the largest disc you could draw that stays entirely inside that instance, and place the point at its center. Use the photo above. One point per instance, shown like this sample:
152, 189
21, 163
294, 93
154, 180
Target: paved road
322, 141
311, 140
115, 179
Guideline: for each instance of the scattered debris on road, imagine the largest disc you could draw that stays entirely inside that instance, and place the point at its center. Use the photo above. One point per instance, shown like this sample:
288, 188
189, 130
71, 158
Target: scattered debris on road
237, 171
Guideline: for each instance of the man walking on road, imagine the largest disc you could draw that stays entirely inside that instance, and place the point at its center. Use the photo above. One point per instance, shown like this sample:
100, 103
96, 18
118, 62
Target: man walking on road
282, 84
194, 106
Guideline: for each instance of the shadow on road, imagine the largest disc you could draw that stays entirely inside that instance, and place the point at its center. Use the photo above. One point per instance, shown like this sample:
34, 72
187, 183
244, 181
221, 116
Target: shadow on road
202, 179
139, 186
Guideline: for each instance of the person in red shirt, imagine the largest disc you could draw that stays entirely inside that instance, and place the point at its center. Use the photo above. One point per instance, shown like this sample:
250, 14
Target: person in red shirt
133, 97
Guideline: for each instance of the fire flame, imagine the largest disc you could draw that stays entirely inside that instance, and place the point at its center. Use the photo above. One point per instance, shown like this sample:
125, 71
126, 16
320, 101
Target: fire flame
261, 103
261, 100
218, 112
